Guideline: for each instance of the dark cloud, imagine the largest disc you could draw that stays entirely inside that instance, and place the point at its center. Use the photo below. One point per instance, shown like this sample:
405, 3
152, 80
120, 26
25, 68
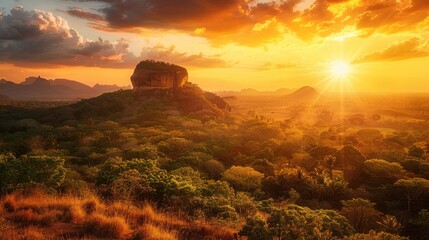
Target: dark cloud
224, 21
234, 21
81, 13
411, 48
38, 38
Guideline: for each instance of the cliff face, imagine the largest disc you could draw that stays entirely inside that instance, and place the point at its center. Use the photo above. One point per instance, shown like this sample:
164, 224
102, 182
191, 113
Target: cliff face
150, 75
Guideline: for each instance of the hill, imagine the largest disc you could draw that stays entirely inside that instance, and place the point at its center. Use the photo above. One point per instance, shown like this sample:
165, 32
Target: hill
250, 92
5, 99
155, 106
304, 93
37, 88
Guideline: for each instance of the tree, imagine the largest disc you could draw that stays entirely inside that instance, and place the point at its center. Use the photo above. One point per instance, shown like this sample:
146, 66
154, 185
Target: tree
417, 152
128, 185
295, 222
214, 168
422, 222
46, 170
390, 224
256, 228
361, 214
373, 235
287, 150
383, 171
320, 152
243, 178
350, 160
414, 188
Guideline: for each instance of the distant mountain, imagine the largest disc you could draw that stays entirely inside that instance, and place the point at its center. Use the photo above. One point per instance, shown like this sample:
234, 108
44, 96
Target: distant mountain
5, 99
250, 92
37, 88
304, 93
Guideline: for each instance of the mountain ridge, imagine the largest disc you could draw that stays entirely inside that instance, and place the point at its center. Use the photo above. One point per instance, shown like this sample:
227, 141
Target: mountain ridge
38, 88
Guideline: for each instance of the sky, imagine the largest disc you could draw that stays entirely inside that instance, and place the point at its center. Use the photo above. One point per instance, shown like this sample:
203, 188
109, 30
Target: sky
346, 45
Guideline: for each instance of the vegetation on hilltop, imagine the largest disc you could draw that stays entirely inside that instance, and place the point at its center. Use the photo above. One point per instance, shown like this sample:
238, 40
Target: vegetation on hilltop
157, 65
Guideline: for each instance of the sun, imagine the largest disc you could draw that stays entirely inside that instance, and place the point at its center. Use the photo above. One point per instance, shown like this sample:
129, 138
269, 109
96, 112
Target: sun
340, 69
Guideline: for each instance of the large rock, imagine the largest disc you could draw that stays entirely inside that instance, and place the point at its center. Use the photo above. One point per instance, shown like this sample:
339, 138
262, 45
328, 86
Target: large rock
149, 75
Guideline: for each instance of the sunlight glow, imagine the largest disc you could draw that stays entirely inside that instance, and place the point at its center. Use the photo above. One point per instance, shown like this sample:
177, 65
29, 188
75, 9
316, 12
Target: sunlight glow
340, 69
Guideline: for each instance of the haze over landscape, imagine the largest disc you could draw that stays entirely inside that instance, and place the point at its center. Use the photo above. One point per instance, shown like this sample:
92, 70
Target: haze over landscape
214, 119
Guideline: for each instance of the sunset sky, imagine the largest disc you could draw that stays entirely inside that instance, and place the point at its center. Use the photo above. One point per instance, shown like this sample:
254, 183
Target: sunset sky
380, 45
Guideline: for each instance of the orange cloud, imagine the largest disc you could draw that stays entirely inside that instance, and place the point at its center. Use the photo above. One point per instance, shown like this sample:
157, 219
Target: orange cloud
234, 21
411, 48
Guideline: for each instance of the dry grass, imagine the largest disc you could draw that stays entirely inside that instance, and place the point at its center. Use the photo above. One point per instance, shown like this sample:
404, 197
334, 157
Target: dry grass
28, 217
148, 215
151, 232
106, 227
88, 218
32, 233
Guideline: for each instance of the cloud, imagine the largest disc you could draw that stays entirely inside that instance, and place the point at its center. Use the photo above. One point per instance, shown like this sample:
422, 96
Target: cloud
221, 21
81, 13
238, 21
411, 48
38, 38
32, 38
270, 66
169, 54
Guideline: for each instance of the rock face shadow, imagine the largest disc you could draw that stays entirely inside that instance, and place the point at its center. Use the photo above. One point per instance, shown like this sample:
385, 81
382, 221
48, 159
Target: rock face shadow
152, 75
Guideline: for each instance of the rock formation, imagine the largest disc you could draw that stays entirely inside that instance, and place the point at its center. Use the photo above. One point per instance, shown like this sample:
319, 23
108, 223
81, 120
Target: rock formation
150, 75
160, 80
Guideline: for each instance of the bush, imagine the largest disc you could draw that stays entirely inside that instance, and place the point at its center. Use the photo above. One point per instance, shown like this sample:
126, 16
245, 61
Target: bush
243, 178
9, 204
90, 206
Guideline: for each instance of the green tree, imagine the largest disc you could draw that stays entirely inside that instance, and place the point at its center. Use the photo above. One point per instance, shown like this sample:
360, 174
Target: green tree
382, 171
214, 168
373, 235
243, 178
414, 189
128, 185
46, 170
295, 222
390, 224
361, 214
256, 228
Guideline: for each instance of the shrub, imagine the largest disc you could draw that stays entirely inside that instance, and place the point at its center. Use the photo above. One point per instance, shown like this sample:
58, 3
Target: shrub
9, 204
243, 178
90, 206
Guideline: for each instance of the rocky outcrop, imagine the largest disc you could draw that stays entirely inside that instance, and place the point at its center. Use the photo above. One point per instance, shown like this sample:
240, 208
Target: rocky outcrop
160, 80
149, 75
